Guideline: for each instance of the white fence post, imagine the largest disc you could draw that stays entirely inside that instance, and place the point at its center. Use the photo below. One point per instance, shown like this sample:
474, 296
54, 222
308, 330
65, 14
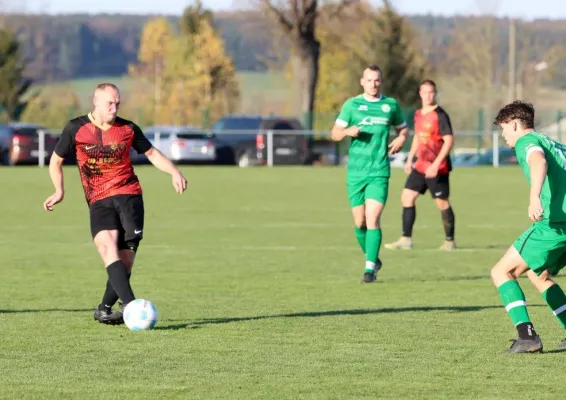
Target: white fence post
41, 148
495, 149
270, 148
157, 140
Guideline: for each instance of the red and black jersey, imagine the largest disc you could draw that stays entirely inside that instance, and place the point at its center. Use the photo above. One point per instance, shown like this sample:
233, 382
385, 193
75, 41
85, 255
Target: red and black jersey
430, 129
103, 156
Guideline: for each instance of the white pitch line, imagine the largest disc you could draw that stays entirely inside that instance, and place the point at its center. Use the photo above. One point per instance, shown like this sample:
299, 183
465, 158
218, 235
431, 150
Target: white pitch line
190, 248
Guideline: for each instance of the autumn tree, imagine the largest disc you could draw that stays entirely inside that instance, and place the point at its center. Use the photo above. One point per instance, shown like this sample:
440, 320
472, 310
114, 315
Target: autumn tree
190, 22
337, 79
359, 37
297, 19
473, 64
13, 84
52, 108
155, 46
386, 39
200, 77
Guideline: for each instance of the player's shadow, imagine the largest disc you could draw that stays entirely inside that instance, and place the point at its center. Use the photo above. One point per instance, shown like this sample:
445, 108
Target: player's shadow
464, 249
45, 310
216, 321
440, 278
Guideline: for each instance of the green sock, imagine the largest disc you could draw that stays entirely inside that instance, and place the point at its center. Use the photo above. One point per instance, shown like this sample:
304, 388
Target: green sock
513, 299
556, 300
361, 236
373, 244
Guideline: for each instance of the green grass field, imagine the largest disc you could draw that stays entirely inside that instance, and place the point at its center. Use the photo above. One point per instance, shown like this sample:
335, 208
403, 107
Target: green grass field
256, 276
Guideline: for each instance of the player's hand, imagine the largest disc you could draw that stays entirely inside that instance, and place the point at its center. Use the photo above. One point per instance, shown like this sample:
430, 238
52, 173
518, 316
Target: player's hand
396, 145
179, 182
408, 166
55, 198
431, 171
535, 210
353, 131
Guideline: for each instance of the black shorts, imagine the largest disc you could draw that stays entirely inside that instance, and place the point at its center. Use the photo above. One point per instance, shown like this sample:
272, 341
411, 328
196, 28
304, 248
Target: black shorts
439, 187
124, 213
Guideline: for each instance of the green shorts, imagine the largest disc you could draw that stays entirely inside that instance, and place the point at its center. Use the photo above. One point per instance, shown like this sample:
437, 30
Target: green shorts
360, 189
543, 246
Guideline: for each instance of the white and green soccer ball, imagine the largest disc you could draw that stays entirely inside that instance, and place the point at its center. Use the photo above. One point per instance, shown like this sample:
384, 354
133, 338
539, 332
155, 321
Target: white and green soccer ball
140, 315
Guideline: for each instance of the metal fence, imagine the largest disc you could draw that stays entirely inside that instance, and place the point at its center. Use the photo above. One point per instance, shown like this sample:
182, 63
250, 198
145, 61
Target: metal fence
470, 147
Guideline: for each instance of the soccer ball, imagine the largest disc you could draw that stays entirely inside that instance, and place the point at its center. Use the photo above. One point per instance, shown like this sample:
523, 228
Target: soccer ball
140, 315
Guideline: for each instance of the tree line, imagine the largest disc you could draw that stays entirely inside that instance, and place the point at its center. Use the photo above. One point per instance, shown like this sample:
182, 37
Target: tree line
184, 67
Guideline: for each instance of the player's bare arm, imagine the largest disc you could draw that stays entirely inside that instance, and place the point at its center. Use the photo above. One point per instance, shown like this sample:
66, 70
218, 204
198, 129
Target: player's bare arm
340, 132
432, 170
396, 144
538, 168
411, 155
56, 174
164, 164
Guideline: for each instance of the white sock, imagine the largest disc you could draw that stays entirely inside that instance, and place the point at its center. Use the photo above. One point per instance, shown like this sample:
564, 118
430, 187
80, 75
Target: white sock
370, 266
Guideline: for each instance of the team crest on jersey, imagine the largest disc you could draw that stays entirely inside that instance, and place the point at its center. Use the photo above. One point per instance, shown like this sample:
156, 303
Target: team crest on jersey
386, 108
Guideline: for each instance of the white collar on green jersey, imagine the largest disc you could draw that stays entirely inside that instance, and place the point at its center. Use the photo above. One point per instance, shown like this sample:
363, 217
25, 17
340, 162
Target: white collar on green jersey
372, 100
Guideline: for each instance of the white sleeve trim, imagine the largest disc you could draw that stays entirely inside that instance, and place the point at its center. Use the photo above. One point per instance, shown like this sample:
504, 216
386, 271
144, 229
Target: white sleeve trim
531, 150
403, 125
341, 123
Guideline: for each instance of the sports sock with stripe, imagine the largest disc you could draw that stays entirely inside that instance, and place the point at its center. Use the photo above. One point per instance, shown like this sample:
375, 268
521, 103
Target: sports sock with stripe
556, 300
513, 299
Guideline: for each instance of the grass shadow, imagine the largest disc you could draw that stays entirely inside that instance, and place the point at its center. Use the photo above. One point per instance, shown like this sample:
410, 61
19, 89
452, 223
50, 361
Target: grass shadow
24, 311
439, 279
554, 351
316, 314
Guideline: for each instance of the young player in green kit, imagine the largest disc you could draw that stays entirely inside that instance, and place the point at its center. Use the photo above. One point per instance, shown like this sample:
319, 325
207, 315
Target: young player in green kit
541, 250
367, 119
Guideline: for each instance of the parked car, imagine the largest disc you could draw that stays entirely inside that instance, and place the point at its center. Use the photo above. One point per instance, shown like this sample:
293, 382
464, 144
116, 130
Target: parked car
181, 144
399, 160
19, 144
247, 144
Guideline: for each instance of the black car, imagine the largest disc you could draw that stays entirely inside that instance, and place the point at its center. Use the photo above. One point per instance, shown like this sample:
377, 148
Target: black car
242, 140
19, 143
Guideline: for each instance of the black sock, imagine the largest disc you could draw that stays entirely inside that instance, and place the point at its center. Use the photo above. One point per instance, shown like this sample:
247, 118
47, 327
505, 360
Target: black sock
409, 216
110, 296
448, 220
526, 331
118, 277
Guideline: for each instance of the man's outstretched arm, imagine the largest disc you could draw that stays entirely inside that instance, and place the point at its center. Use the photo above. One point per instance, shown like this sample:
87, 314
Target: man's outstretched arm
164, 164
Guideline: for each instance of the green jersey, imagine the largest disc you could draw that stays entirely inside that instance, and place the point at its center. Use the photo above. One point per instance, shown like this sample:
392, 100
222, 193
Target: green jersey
553, 194
368, 153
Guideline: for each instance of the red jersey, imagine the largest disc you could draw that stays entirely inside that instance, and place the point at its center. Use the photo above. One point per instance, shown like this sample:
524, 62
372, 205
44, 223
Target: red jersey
103, 156
430, 129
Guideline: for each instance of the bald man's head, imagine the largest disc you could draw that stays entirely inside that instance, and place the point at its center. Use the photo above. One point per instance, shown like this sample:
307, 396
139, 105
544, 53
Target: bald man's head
106, 102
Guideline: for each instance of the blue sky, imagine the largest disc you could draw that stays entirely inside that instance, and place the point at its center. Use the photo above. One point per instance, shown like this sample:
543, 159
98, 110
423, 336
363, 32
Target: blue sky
526, 9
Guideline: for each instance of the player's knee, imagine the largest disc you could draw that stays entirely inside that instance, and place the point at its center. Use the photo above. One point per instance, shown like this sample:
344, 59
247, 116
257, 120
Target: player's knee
538, 279
442, 204
372, 220
408, 198
359, 215
499, 275
360, 221
107, 250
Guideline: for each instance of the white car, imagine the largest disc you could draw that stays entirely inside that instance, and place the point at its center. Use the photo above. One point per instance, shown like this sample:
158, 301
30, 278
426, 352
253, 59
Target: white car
180, 144
398, 160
